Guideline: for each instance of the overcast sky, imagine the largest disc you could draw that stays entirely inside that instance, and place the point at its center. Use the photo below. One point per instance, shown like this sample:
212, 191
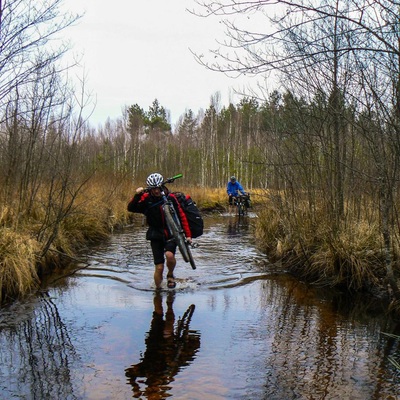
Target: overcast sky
136, 51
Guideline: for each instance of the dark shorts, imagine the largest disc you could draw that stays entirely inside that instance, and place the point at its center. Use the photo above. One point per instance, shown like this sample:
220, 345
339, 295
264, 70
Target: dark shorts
232, 200
159, 247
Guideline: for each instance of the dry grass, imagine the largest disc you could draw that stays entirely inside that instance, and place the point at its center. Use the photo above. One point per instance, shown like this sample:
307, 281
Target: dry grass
351, 256
270, 232
18, 264
213, 199
97, 210
206, 198
7, 216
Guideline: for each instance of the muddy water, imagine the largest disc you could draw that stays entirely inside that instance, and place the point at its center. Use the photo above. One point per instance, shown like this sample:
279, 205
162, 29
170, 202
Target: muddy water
237, 327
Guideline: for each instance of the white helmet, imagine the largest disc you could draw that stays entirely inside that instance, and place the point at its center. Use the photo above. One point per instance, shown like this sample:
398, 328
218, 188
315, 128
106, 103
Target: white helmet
155, 180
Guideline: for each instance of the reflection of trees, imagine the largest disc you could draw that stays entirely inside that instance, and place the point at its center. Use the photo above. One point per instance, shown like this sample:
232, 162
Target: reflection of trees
169, 348
35, 355
326, 350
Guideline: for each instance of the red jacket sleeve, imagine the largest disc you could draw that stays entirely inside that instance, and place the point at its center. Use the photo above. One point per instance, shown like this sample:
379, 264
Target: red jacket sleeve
137, 203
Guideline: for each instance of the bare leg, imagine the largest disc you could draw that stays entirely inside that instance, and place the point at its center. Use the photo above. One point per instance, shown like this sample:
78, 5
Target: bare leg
158, 275
171, 262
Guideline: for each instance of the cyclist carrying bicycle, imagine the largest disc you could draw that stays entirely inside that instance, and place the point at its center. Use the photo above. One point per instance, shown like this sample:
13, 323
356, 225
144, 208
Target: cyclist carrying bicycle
233, 188
148, 201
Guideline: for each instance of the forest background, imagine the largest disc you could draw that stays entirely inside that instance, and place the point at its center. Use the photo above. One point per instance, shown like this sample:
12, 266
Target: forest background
321, 154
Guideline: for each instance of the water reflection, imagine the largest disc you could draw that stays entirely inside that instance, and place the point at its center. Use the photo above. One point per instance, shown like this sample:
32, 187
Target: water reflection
237, 225
317, 352
170, 346
35, 352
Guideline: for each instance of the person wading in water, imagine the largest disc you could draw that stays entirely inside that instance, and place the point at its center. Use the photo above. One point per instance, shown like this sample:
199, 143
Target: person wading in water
148, 201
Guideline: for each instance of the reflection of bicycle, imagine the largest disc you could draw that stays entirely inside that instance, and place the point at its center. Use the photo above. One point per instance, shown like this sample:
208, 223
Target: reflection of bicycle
170, 346
242, 202
174, 224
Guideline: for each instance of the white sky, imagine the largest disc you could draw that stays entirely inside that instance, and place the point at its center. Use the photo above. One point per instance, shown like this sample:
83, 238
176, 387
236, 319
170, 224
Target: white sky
135, 51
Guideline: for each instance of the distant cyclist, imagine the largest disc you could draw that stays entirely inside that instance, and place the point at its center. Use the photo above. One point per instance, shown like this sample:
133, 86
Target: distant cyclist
233, 188
149, 203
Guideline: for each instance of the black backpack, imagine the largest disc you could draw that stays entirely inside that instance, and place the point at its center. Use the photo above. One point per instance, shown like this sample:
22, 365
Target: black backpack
193, 214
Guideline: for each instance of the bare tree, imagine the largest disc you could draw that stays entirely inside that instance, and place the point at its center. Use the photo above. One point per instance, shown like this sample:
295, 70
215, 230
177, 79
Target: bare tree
347, 51
28, 41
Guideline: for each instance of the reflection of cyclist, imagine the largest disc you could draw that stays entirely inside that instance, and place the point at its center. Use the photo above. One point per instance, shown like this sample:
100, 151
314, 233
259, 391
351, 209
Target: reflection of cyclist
150, 204
233, 188
168, 349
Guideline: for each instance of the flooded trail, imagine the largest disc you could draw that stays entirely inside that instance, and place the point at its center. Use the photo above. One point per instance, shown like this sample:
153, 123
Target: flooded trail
237, 327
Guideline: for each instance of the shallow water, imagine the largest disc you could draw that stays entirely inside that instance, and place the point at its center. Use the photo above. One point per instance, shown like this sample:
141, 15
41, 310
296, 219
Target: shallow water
237, 327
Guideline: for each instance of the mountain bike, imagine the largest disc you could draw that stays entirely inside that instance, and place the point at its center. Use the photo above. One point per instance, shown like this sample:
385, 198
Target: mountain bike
174, 225
241, 202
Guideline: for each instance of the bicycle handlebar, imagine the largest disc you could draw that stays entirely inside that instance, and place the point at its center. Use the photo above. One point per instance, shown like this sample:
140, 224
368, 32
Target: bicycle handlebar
170, 180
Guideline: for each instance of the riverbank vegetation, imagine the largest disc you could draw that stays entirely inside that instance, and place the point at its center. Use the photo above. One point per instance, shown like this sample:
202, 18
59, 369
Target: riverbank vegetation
321, 157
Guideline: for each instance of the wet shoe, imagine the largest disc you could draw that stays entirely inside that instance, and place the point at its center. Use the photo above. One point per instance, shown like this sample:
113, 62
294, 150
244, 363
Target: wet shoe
171, 284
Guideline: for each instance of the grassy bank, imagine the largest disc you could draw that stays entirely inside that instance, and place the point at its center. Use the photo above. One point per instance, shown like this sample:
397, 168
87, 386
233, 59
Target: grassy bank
351, 257
49, 236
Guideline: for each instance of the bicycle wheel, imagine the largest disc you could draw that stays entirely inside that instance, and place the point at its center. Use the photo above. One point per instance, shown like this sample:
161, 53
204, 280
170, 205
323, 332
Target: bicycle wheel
176, 231
191, 259
183, 323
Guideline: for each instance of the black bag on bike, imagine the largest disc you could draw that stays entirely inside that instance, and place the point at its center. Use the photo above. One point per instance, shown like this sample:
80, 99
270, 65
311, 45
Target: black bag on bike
247, 201
193, 214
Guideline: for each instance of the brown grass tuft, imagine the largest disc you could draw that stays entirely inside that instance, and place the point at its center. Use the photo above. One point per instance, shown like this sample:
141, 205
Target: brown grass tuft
18, 264
351, 256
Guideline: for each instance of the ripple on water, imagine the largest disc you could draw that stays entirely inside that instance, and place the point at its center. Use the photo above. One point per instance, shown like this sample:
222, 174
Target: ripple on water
222, 260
